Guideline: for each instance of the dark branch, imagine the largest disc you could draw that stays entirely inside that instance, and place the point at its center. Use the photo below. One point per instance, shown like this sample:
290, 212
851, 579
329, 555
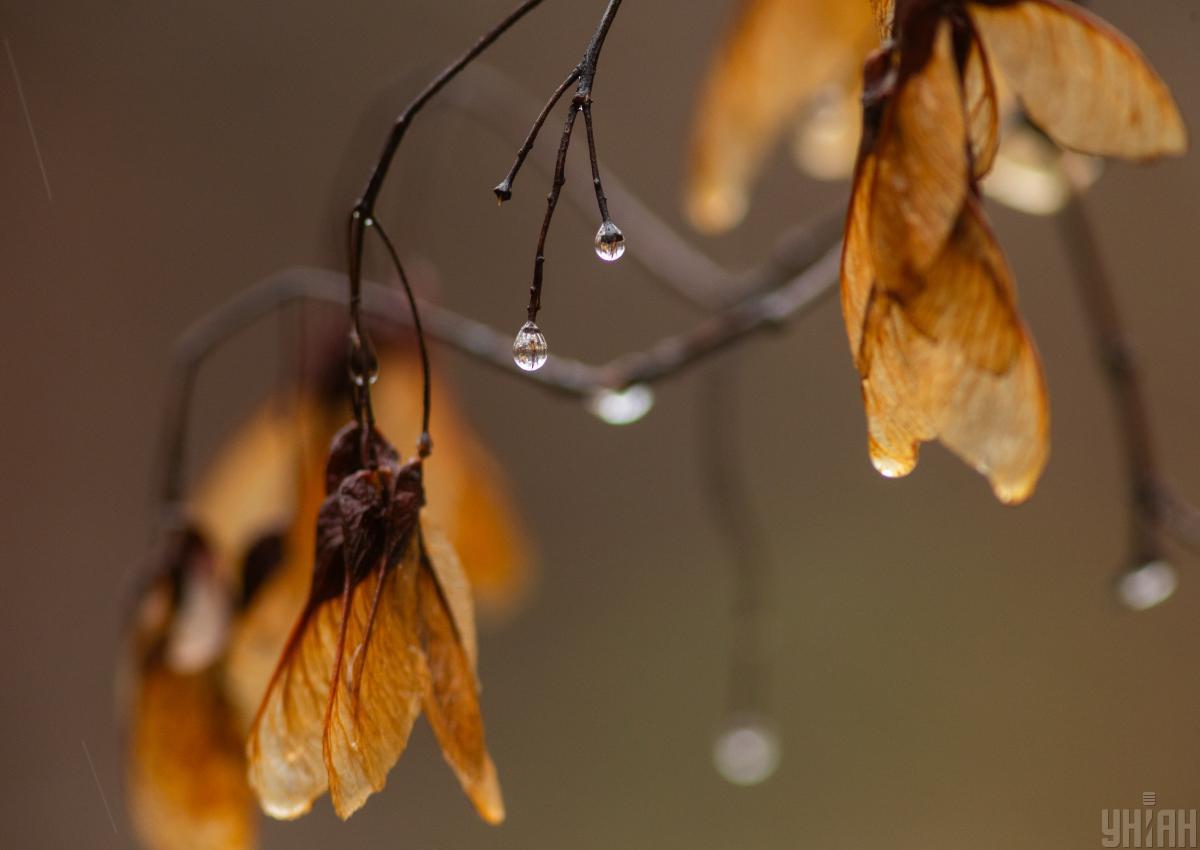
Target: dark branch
539, 260
1154, 510
424, 442
362, 354
585, 71
503, 189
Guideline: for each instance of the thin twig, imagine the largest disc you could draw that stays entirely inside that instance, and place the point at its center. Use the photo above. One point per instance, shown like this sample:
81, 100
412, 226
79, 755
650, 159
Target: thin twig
581, 102
424, 442
735, 521
687, 272
601, 200
503, 189
539, 260
1120, 369
363, 214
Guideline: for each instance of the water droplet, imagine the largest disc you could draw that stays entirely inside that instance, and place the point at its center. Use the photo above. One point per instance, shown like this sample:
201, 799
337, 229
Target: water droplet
889, 466
610, 242
529, 348
622, 407
1144, 587
363, 363
747, 751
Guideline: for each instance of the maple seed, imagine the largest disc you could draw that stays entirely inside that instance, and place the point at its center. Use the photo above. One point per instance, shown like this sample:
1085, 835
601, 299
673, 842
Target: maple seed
610, 242
530, 351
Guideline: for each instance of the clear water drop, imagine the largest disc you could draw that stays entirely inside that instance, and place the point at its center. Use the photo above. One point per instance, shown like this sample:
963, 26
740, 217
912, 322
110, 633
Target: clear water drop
747, 751
610, 242
1144, 587
363, 363
623, 407
530, 351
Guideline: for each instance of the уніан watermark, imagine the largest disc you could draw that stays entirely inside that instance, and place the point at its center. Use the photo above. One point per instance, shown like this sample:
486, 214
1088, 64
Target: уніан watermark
1148, 826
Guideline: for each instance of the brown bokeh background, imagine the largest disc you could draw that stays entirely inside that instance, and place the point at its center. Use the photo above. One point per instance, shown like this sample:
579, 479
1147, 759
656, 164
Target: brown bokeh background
947, 673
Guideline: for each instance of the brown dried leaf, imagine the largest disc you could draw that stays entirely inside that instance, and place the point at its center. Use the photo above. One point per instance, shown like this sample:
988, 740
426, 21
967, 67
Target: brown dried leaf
982, 108
468, 496
451, 702
456, 589
930, 310
949, 358
186, 775
261, 631
1080, 80
377, 686
287, 767
776, 56
250, 486
921, 172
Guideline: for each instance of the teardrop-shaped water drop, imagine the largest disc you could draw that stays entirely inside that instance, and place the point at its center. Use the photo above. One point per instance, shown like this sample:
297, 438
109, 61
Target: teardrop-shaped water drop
1146, 586
530, 351
610, 242
747, 751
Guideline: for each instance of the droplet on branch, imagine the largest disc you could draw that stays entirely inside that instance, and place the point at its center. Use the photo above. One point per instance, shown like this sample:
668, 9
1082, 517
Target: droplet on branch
610, 242
530, 351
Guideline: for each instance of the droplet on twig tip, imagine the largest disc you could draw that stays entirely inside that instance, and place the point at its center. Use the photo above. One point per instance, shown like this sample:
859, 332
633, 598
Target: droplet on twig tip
530, 351
610, 242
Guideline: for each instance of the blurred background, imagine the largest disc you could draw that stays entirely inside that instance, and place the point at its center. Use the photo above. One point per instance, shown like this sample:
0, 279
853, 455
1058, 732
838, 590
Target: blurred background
944, 672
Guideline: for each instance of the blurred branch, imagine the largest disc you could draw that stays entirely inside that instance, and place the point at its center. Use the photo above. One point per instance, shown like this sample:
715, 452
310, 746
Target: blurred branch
736, 523
670, 356
1155, 510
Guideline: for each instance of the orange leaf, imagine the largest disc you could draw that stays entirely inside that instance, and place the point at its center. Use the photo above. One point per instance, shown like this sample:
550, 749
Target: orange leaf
377, 684
1080, 80
186, 774
921, 169
776, 56
451, 701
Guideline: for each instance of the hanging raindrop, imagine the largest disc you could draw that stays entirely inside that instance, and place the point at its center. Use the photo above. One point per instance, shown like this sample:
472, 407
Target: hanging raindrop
747, 750
1146, 586
610, 242
529, 348
622, 407
363, 362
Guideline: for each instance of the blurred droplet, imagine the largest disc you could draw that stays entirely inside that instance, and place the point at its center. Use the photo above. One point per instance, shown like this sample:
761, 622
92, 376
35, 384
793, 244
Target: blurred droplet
530, 351
826, 141
622, 407
610, 242
1034, 176
714, 206
747, 752
1146, 586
